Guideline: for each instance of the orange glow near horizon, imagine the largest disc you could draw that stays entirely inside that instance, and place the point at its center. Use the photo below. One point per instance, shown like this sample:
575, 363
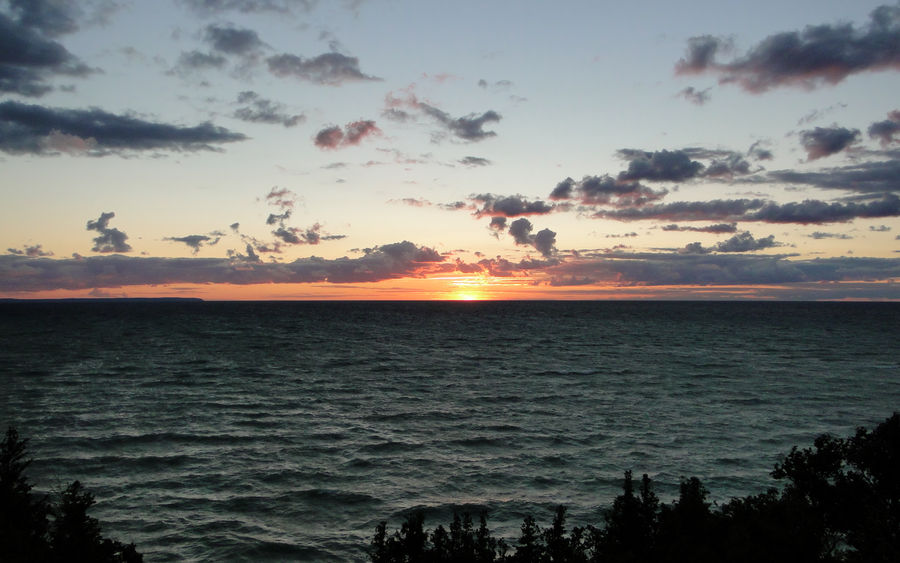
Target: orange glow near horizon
463, 287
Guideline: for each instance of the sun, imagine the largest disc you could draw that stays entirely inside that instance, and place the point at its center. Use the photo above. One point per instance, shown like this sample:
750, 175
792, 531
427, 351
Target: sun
466, 296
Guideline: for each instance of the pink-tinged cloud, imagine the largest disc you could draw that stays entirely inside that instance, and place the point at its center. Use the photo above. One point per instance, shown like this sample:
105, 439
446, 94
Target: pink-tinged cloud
333, 137
826, 141
885, 130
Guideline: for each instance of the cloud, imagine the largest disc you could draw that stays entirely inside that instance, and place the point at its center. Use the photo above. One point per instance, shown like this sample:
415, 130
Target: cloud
232, 40
821, 54
544, 241
696, 97
50, 17
193, 61
822, 235
879, 228
815, 211
261, 110
310, 235
497, 226
109, 239
195, 242
825, 141
34, 251
663, 166
744, 242
738, 210
28, 60
509, 206
390, 261
874, 177
330, 69
718, 228
691, 269
27, 128
333, 137
282, 198
469, 127
599, 190
474, 161
885, 130
213, 7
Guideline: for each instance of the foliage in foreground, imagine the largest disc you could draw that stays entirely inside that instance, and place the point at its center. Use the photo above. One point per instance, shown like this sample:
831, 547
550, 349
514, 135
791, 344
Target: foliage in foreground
34, 529
840, 502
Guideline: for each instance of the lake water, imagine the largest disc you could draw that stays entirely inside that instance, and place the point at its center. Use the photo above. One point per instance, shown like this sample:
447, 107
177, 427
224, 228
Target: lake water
287, 431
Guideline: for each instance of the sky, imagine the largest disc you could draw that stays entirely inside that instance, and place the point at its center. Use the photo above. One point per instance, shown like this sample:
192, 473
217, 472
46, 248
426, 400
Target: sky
399, 149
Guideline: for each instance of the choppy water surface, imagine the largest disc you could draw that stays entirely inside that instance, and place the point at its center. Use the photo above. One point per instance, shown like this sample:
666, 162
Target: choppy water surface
286, 431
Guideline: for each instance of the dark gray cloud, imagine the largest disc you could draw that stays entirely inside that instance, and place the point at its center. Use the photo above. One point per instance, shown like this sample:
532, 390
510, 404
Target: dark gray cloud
744, 242
719, 269
331, 69
37, 129
544, 241
278, 218
820, 54
509, 206
353, 133
474, 161
33, 251
28, 60
759, 210
600, 190
718, 228
520, 231
825, 141
469, 127
817, 212
879, 228
261, 110
196, 242
310, 235
661, 166
696, 97
873, 177
109, 239
50, 17
885, 130
390, 261
497, 225
822, 235
233, 41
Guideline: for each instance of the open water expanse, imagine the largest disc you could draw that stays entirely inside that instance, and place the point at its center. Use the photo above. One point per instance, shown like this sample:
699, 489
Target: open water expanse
287, 431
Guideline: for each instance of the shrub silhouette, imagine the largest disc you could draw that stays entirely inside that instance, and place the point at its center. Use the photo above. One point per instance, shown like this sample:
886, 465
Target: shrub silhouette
34, 530
840, 503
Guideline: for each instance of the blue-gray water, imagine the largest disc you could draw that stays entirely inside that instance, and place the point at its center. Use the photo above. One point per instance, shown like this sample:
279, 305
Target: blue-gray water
286, 431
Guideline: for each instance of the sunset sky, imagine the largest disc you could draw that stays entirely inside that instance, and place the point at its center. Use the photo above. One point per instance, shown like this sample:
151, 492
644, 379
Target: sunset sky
399, 149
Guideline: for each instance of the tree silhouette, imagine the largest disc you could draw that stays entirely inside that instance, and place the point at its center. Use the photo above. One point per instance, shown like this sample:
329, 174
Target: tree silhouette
69, 535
